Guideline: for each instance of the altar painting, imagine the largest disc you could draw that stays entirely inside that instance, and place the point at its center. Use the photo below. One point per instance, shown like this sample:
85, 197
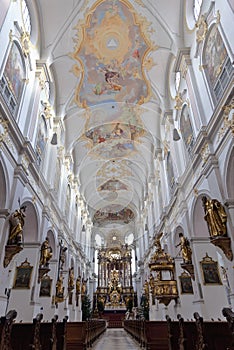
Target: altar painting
215, 54
14, 71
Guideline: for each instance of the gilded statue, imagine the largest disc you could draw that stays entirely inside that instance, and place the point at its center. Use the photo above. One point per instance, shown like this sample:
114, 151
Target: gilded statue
46, 253
215, 217
62, 257
146, 287
59, 287
71, 283
84, 287
157, 242
78, 285
16, 226
185, 249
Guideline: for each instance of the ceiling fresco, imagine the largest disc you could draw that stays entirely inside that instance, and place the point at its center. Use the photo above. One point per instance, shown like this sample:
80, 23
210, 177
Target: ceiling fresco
114, 168
109, 62
113, 213
113, 185
111, 54
113, 130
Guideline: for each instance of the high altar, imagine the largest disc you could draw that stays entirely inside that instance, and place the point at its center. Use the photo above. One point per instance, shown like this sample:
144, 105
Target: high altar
115, 290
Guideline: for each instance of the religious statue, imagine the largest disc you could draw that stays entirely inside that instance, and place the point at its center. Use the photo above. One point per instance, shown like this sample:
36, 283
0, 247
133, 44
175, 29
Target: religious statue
215, 217
157, 242
146, 288
46, 253
185, 249
16, 226
78, 285
83, 287
71, 283
62, 256
59, 288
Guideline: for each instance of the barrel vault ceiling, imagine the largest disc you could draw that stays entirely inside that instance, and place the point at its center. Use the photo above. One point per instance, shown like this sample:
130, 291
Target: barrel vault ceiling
109, 61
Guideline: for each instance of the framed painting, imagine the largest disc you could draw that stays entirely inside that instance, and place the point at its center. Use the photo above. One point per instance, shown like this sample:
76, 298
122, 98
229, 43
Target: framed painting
15, 71
45, 289
186, 285
210, 271
23, 276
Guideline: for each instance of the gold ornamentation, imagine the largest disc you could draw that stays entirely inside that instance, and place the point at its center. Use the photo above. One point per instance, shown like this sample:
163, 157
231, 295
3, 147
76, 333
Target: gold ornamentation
215, 217
47, 109
224, 243
46, 253
228, 119
185, 249
202, 67
202, 28
112, 30
4, 136
25, 162
140, 2
10, 252
11, 36
76, 70
160, 263
25, 43
205, 152
179, 101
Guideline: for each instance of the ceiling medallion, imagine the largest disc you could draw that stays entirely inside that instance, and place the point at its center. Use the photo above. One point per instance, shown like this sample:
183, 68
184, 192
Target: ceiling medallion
112, 47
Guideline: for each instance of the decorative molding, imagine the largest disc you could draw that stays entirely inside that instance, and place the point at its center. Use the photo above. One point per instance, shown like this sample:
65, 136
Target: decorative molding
202, 28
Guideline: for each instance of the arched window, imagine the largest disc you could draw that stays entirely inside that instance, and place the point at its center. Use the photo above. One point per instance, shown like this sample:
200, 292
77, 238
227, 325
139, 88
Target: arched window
170, 172
41, 139
57, 175
12, 82
177, 80
68, 200
197, 8
26, 17
186, 128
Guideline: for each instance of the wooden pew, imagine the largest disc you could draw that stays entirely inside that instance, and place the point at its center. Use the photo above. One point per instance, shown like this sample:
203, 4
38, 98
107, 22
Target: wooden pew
48, 334
26, 336
61, 334
6, 323
81, 335
229, 314
150, 334
181, 335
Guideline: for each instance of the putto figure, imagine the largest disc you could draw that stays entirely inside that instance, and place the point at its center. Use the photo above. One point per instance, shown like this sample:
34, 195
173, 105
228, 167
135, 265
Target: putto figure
215, 217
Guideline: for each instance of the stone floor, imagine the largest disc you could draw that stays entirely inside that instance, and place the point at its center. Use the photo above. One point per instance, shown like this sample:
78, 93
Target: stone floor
115, 339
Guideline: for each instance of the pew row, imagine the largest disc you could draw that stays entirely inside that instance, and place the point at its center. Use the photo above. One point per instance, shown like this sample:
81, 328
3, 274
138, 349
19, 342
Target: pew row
181, 335
52, 335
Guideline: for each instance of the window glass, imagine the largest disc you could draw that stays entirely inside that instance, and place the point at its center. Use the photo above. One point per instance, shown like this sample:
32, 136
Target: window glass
26, 17
197, 8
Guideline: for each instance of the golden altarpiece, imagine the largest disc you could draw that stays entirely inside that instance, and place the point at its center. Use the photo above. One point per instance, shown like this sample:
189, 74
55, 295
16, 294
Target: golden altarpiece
115, 290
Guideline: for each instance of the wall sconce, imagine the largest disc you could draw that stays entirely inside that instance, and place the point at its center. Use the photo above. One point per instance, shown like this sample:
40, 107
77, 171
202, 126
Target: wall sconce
54, 140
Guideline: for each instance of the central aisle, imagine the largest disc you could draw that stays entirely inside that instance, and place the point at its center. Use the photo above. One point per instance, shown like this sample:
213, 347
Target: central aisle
116, 339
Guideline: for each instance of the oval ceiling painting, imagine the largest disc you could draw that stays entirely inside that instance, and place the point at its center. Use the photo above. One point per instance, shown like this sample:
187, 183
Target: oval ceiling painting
110, 53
